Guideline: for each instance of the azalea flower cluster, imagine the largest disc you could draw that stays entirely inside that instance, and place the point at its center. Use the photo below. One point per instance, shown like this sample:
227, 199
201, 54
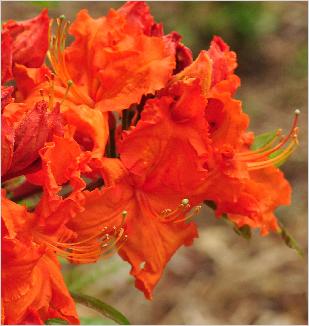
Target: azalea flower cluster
124, 136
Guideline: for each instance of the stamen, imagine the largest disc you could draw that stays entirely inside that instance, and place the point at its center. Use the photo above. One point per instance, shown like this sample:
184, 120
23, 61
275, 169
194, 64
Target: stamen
179, 214
278, 159
69, 85
57, 59
265, 147
102, 244
260, 158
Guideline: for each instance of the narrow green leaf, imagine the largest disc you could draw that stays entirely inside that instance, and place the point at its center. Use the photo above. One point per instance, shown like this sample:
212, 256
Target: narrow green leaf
56, 321
45, 4
101, 307
263, 139
95, 321
290, 241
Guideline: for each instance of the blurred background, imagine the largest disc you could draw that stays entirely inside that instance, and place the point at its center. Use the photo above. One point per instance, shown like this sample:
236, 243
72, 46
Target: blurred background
222, 278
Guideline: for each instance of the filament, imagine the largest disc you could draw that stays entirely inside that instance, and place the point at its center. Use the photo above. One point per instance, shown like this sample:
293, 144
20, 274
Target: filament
57, 59
261, 158
89, 250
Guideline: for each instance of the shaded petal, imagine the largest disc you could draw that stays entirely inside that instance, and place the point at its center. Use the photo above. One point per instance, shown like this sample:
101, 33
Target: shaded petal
137, 14
91, 127
37, 127
27, 79
7, 145
6, 96
6, 57
29, 39
223, 61
169, 140
227, 121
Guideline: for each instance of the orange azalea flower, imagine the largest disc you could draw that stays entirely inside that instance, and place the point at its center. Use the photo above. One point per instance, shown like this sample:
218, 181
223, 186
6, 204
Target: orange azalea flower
63, 165
45, 232
131, 54
118, 53
241, 182
193, 125
151, 183
32, 286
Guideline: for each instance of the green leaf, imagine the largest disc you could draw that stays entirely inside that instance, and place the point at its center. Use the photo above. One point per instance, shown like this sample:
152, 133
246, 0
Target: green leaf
45, 4
244, 231
101, 307
263, 139
95, 321
290, 241
56, 321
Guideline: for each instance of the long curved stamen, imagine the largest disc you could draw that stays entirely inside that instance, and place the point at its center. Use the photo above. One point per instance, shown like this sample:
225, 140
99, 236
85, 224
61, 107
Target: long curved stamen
180, 213
264, 148
260, 158
89, 250
276, 160
57, 59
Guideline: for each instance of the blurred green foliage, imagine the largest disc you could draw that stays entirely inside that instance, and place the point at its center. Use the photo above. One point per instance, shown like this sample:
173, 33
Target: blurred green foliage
45, 4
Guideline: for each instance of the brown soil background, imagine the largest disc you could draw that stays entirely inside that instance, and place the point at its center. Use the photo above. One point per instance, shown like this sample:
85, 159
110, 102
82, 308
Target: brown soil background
222, 278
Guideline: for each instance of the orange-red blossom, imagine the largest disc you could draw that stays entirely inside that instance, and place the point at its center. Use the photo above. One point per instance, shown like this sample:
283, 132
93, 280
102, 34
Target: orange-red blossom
183, 140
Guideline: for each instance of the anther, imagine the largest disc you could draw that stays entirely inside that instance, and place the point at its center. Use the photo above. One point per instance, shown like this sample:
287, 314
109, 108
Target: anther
62, 17
297, 112
69, 85
185, 202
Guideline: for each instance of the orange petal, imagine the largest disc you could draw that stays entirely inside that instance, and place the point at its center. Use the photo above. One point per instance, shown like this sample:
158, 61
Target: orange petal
199, 68
226, 119
170, 140
223, 61
32, 282
132, 62
151, 243
269, 189
90, 124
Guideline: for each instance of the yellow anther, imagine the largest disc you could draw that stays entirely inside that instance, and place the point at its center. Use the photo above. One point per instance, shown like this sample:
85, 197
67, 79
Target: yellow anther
185, 202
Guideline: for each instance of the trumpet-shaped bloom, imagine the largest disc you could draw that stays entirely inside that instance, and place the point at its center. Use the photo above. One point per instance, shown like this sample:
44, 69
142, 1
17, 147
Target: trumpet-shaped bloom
32, 286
